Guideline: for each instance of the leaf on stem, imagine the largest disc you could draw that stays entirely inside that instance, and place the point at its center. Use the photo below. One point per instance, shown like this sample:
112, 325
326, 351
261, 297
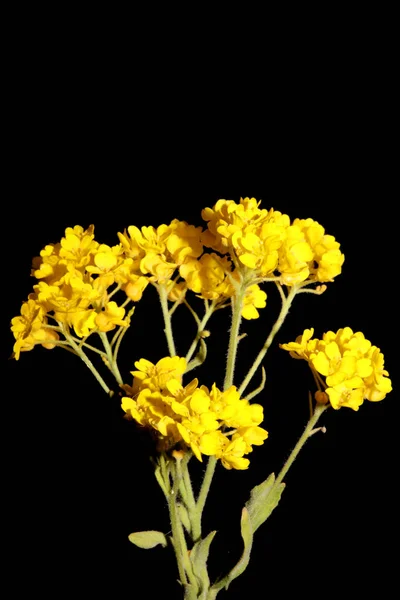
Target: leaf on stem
148, 539
160, 480
184, 517
199, 557
247, 535
263, 499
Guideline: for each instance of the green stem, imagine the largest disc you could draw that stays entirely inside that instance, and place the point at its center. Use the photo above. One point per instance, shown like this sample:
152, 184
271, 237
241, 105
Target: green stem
276, 327
205, 486
319, 409
86, 360
233, 336
200, 328
163, 293
110, 358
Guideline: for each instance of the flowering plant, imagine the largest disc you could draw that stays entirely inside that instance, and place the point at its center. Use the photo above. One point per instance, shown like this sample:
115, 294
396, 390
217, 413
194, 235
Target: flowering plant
86, 289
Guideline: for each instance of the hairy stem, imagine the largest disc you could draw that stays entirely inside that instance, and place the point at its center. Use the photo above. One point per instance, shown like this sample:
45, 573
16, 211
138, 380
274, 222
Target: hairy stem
275, 328
163, 293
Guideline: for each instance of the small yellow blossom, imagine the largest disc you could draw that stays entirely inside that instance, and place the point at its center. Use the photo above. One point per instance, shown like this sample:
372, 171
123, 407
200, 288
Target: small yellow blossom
254, 298
30, 329
156, 377
352, 367
183, 243
209, 276
111, 316
327, 258
78, 246
157, 266
135, 286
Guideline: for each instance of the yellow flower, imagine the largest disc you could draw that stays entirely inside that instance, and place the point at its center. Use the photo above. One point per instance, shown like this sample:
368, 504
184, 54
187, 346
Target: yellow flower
111, 316
77, 246
30, 329
300, 348
106, 261
48, 265
70, 302
208, 276
232, 455
135, 286
158, 267
352, 367
327, 258
343, 395
228, 217
178, 292
156, 377
252, 235
183, 243
377, 385
83, 322
254, 298
295, 255
130, 241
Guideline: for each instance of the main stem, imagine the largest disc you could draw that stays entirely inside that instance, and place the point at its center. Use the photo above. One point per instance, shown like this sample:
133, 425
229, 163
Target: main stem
230, 368
234, 336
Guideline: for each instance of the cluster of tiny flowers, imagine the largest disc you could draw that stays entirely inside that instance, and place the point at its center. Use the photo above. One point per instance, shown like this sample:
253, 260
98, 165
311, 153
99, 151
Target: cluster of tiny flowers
353, 368
78, 276
269, 244
210, 422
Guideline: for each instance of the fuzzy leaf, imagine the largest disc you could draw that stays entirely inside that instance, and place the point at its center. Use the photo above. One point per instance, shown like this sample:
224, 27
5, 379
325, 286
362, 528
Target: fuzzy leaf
160, 480
148, 539
184, 517
247, 535
263, 499
198, 558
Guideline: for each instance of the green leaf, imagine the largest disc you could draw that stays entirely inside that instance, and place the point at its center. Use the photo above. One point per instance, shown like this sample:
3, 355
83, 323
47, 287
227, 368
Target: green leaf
247, 535
148, 539
160, 480
184, 517
263, 499
190, 593
199, 557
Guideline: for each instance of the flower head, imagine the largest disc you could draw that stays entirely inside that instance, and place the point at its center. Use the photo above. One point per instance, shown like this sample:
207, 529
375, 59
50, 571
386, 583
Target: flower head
209, 422
30, 329
352, 367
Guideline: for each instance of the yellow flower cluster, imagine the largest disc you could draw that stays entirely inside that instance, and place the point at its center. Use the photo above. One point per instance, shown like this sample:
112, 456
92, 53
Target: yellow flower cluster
266, 242
210, 422
30, 329
78, 276
353, 368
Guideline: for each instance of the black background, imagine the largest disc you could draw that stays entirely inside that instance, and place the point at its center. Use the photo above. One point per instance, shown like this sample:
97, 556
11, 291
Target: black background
77, 479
